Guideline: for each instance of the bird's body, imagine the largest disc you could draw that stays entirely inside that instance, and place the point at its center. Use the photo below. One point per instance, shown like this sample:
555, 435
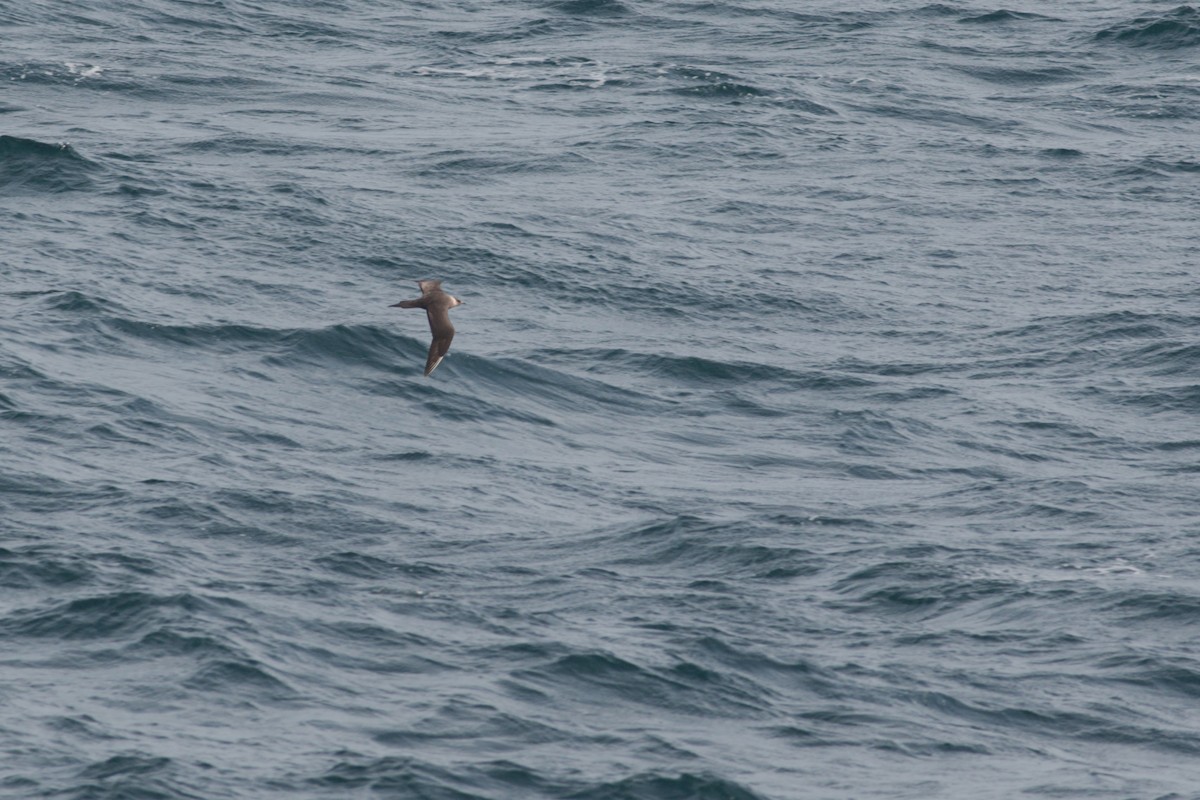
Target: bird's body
437, 305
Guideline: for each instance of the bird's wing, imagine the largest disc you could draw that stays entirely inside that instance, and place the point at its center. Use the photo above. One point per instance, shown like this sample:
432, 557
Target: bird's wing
443, 334
428, 287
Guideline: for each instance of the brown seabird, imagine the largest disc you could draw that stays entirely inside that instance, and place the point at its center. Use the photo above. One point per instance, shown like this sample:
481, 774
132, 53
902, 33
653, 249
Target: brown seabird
437, 305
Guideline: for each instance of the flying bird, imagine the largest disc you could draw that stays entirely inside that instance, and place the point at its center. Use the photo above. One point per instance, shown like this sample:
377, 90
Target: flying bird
437, 305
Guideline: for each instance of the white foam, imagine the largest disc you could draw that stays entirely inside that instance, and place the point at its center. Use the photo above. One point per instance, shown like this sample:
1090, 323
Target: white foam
592, 74
83, 70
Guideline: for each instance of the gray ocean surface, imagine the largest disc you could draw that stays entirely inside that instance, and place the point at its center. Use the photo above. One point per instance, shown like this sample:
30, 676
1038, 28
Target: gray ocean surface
823, 419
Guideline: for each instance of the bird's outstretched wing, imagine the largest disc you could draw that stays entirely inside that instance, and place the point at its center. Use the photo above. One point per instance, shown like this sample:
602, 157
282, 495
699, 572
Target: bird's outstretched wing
429, 287
443, 334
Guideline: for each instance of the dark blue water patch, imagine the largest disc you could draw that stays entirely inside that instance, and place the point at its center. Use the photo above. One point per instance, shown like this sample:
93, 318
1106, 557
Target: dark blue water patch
125, 765
411, 777
1138, 608
1022, 76
1177, 675
240, 678
1168, 359
350, 635
912, 588
362, 345
712, 84
505, 31
937, 10
1181, 398
1062, 153
312, 24
724, 551
129, 776
737, 404
913, 394
76, 302
167, 642
933, 112
1166, 30
1180, 444
258, 515
1185, 166
1026, 504
223, 338
409, 455
300, 191
458, 721
45, 494
266, 502
451, 404
1167, 98
600, 677
795, 19
784, 676
83, 725
590, 8
528, 382
362, 565
1101, 327
804, 106
236, 144
1005, 16
390, 776
107, 616
705, 372
874, 433
483, 169
685, 786
28, 166
199, 23
40, 566
1098, 724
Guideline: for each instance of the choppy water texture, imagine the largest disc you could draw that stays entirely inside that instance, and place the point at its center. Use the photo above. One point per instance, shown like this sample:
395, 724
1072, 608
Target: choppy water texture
822, 421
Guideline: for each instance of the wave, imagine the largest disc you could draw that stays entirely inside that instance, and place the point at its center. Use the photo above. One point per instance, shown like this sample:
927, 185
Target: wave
713, 549
685, 785
709, 83
382, 361
130, 774
1004, 16
367, 567
1022, 76
30, 166
703, 371
1182, 398
105, 616
591, 8
408, 776
32, 567
1168, 30
462, 166
683, 687
345, 343
1097, 327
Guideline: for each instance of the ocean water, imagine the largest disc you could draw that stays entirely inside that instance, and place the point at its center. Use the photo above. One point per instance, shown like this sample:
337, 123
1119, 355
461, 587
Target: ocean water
822, 420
